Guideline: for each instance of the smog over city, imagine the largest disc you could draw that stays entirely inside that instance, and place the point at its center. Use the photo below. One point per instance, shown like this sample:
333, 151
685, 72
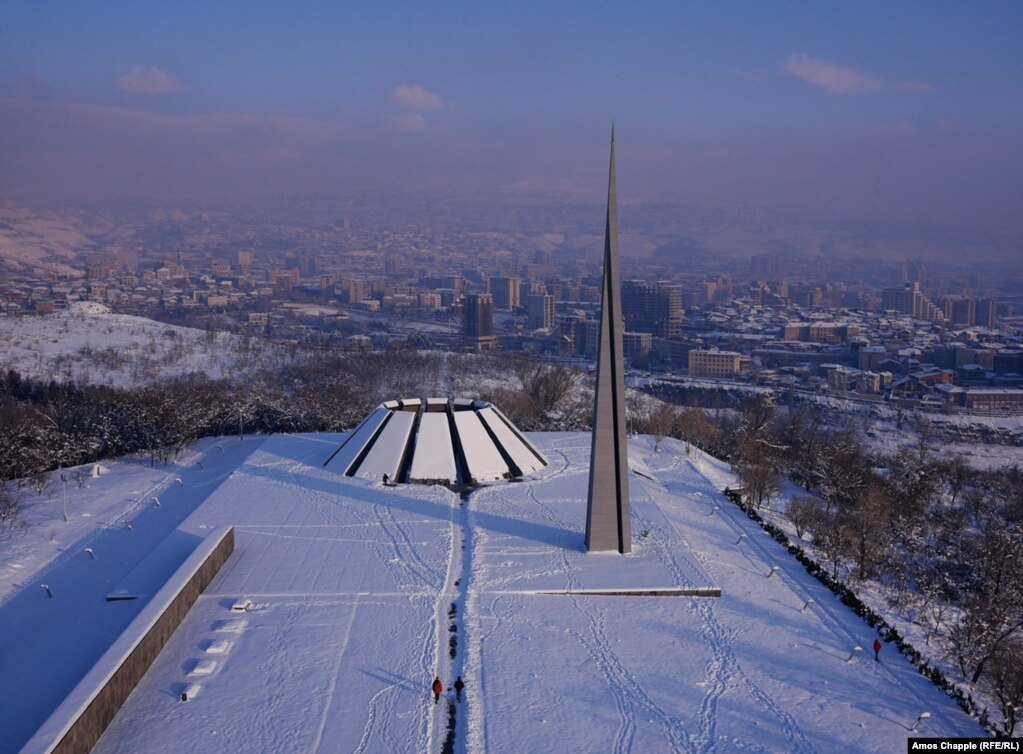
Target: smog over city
359, 274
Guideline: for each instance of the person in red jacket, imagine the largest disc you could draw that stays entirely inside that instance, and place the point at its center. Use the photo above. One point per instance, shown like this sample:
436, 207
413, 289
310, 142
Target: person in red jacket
877, 650
438, 687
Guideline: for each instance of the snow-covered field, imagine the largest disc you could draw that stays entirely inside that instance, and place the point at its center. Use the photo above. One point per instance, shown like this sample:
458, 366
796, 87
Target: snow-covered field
362, 593
44, 241
87, 343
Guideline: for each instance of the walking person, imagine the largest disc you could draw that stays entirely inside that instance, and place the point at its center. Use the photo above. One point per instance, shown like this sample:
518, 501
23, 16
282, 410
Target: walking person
459, 685
877, 650
438, 688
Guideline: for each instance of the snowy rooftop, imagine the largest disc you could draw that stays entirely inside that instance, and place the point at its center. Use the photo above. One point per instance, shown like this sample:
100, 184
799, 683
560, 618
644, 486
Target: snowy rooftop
362, 593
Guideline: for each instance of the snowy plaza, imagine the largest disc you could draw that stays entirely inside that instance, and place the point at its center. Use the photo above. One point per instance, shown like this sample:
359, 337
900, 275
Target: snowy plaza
361, 593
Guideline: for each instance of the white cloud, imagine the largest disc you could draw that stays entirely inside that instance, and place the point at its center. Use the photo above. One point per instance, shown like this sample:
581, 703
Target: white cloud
414, 97
142, 80
832, 77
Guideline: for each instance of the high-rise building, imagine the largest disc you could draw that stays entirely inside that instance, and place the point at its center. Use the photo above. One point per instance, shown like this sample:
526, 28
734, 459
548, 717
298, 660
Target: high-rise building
540, 312
961, 311
478, 320
654, 308
245, 262
764, 266
905, 299
985, 312
721, 289
283, 280
506, 292
568, 290
693, 299
913, 272
572, 328
636, 345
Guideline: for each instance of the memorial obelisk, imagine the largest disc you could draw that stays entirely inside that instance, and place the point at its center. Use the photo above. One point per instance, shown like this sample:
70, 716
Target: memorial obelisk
607, 510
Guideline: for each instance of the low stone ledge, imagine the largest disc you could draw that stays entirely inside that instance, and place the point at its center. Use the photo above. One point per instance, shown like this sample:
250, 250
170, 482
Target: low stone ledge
79, 721
697, 592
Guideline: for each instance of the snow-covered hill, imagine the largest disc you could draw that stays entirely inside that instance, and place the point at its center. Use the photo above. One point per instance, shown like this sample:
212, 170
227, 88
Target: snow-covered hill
87, 343
362, 593
37, 242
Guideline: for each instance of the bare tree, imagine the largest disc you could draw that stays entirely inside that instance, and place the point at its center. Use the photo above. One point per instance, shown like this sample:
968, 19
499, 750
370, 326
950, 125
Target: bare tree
868, 525
936, 589
913, 481
1005, 675
761, 479
659, 422
39, 482
992, 613
957, 475
10, 506
694, 428
803, 512
838, 470
759, 453
801, 434
546, 385
831, 540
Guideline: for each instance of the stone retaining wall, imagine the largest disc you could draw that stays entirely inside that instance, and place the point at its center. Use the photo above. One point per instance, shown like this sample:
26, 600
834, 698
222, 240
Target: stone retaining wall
78, 723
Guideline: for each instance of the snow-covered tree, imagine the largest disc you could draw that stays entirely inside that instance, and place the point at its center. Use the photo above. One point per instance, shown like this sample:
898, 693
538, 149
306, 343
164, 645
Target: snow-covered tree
1005, 676
992, 603
803, 511
759, 453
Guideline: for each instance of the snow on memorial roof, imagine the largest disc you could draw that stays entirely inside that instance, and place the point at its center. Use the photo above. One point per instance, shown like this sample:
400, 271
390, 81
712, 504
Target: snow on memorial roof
436, 441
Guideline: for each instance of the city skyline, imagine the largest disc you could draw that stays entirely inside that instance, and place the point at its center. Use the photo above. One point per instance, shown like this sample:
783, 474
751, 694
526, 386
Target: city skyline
910, 111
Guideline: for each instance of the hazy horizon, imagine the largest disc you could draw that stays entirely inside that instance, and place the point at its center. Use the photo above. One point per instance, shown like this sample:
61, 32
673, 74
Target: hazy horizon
909, 113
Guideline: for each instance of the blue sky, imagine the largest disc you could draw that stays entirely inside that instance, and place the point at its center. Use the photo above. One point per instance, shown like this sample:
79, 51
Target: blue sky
848, 106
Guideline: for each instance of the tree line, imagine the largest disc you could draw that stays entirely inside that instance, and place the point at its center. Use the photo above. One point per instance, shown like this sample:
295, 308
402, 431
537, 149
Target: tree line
55, 424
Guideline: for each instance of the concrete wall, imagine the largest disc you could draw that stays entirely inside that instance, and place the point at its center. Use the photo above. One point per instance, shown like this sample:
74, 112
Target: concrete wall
80, 725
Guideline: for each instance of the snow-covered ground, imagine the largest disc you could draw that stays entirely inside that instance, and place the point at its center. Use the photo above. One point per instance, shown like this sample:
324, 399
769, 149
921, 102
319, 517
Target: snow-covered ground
44, 241
362, 593
983, 442
87, 343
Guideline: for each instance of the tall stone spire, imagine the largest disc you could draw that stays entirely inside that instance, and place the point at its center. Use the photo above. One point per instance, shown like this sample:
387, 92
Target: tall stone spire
607, 511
